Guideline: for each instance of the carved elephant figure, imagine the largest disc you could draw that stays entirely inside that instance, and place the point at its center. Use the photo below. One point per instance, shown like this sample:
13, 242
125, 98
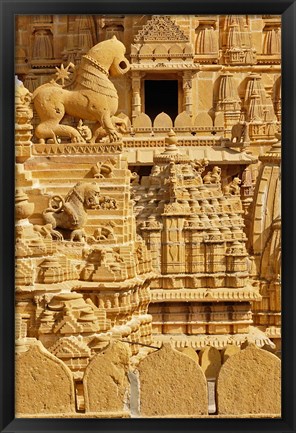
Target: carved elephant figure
238, 132
71, 213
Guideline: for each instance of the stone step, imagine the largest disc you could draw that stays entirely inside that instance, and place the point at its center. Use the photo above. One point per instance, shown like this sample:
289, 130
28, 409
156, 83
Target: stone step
61, 173
64, 188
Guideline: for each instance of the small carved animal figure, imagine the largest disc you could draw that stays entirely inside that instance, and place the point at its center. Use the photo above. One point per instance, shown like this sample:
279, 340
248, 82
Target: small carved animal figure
234, 187
80, 235
103, 169
213, 176
238, 132
71, 213
93, 97
85, 131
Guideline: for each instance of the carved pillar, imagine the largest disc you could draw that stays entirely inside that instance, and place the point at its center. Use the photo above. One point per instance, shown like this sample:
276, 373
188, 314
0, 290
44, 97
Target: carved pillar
247, 193
277, 99
151, 233
187, 88
195, 248
136, 94
23, 119
236, 265
255, 104
173, 245
215, 253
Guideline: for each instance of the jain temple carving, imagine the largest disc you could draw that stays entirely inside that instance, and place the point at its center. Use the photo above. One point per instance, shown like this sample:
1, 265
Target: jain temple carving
148, 216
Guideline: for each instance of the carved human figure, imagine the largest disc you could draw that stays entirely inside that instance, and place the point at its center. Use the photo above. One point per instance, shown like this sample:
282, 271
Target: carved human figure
93, 97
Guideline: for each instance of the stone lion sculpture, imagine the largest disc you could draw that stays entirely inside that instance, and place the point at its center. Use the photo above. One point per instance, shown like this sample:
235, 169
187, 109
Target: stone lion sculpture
71, 213
213, 176
93, 97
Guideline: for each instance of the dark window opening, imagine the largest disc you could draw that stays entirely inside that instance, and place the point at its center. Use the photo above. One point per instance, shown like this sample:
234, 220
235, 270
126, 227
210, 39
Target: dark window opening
142, 170
161, 96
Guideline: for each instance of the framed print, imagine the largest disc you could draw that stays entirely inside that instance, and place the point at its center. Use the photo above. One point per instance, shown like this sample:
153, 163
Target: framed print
147, 165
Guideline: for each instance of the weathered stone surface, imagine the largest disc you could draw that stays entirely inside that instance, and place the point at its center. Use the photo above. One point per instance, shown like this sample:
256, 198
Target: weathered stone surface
250, 382
171, 384
43, 383
105, 381
229, 351
210, 361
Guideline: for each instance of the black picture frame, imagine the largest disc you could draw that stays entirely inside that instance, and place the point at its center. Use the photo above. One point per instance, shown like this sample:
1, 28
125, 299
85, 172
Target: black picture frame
8, 9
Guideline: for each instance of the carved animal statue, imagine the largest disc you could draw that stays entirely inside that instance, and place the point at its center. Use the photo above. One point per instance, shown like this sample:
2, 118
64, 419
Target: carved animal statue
93, 97
234, 187
103, 169
71, 213
238, 132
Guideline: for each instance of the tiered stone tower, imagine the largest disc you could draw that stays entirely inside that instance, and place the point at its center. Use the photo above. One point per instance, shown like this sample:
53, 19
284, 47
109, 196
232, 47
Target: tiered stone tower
194, 232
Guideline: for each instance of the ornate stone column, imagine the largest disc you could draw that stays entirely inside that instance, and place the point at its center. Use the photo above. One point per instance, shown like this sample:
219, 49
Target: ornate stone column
136, 94
277, 99
23, 118
228, 101
187, 88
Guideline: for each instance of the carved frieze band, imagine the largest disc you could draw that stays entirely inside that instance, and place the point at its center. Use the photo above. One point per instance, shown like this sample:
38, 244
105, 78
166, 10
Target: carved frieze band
76, 149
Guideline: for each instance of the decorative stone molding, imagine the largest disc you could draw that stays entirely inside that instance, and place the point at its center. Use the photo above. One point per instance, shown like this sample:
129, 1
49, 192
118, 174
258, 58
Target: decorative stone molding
160, 28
